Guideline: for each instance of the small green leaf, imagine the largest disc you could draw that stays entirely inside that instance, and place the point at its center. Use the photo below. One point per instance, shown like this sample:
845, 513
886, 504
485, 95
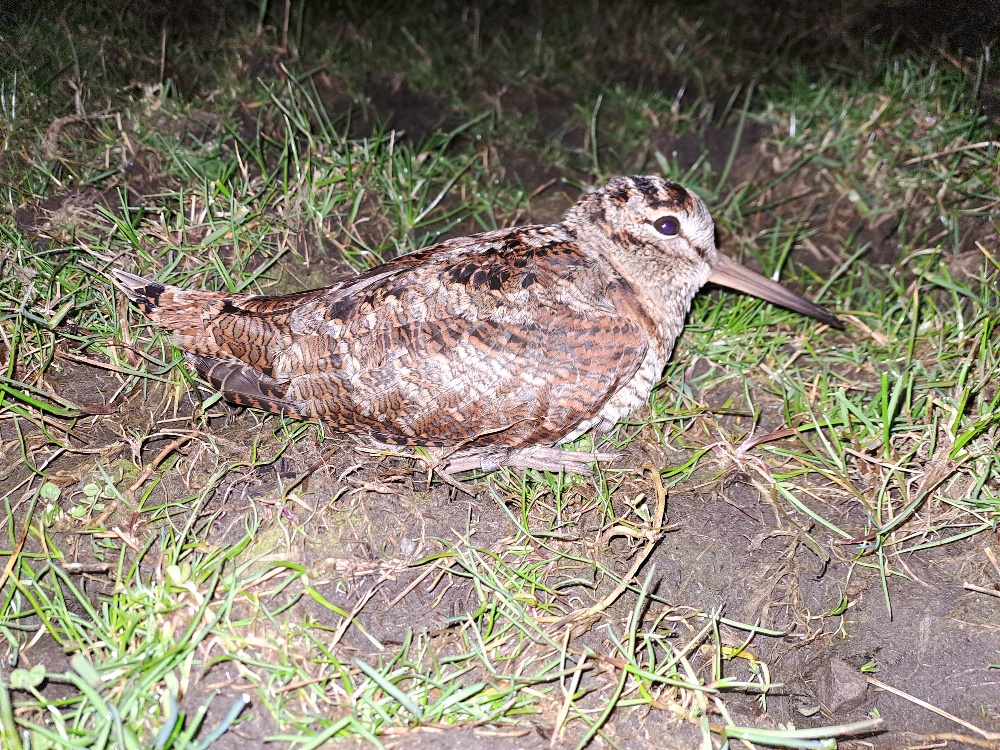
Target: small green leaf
840, 608
50, 514
209, 402
27, 678
49, 491
174, 575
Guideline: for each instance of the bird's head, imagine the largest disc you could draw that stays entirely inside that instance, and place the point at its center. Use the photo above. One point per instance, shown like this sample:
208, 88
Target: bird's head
660, 230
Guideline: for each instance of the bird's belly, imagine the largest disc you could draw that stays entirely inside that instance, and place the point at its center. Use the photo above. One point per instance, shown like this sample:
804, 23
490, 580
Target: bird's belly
626, 399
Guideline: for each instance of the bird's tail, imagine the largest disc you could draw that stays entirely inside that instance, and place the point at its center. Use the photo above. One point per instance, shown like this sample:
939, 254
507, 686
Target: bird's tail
231, 339
183, 312
249, 328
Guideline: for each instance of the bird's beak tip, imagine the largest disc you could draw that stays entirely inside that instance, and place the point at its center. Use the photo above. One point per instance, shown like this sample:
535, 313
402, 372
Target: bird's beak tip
733, 275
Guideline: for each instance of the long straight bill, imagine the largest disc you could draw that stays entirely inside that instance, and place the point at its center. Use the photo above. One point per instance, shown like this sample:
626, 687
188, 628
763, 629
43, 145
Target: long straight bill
731, 274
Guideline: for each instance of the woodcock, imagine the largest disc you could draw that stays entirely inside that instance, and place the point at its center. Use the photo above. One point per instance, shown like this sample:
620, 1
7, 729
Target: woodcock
488, 350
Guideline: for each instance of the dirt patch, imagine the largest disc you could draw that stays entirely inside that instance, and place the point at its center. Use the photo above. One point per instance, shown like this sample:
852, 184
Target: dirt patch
961, 24
547, 111
713, 145
732, 552
43, 219
386, 100
757, 570
483, 738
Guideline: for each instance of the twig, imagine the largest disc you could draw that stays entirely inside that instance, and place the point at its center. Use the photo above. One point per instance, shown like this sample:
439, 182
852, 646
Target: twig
980, 590
542, 188
310, 471
559, 729
151, 467
354, 613
947, 151
50, 142
117, 533
993, 559
655, 533
962, 739
416, 582
15, 553
992, 736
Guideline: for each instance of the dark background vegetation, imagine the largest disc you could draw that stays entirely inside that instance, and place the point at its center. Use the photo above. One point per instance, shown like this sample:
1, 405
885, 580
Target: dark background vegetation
742, 41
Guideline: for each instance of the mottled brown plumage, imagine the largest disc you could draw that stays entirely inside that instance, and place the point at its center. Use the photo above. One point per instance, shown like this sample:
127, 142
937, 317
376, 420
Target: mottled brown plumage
489, 349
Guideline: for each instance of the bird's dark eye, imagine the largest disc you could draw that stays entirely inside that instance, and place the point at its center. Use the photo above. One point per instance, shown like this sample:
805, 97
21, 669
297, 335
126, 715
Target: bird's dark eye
667, 225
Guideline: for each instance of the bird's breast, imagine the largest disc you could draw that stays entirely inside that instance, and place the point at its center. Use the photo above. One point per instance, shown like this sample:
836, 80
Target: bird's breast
627, 399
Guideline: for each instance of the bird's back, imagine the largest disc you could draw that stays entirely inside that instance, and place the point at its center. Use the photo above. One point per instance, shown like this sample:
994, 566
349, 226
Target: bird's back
511, 338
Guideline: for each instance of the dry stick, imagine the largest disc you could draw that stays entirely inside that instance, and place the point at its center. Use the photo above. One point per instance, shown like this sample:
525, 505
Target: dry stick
354, 613
117, 533
151, 467
310, 471
416, 582
947, 151
543, 187
81, 568
50, 142
992, 736
263, 579
979, 589
962, 739
15, 553
284, 26
559, 730
622, 587
299, 684
163, 50
102, 365
992, 558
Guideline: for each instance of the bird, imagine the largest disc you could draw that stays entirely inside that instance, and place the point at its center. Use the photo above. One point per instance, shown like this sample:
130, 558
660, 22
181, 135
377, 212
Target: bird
483, 351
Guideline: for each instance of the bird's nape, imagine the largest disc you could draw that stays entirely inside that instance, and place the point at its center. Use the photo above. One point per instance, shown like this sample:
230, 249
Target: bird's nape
729, 273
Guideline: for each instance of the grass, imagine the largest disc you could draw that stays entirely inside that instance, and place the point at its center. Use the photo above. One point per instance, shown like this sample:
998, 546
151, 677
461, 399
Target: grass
169, 580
